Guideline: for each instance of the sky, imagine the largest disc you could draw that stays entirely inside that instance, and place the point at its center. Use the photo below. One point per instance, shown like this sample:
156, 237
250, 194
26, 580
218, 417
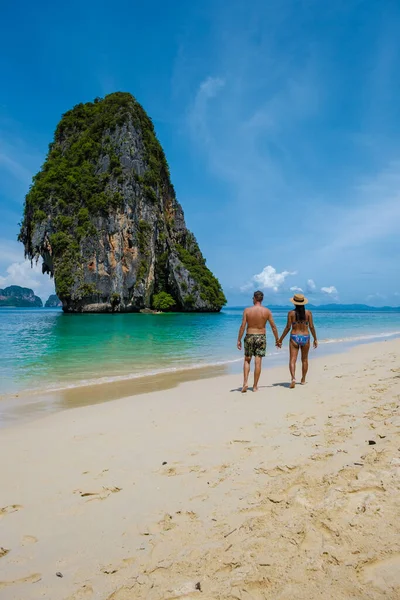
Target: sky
280, 120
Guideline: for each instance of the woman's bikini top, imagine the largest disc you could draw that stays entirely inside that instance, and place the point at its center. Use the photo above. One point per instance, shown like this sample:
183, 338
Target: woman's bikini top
300, 322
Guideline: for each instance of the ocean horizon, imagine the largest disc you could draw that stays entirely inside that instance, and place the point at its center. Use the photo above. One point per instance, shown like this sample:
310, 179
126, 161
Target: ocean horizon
45, 349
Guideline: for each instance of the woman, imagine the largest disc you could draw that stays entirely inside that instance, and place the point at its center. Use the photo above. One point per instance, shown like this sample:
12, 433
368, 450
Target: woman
299, 320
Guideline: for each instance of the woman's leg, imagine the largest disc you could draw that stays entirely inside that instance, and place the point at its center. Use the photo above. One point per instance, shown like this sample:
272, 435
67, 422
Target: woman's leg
304, 361
293, 352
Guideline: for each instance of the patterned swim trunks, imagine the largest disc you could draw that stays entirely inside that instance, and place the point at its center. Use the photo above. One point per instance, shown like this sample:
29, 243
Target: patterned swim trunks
255, 344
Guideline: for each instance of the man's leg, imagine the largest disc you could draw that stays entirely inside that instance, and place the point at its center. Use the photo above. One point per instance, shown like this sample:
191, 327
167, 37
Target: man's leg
257, 372
246, 371
293, 352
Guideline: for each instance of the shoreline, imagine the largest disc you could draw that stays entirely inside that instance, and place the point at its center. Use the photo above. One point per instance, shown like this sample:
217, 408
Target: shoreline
275, 495
26, 405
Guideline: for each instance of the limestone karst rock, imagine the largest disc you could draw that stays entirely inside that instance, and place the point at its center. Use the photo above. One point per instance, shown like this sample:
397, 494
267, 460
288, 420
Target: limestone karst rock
103, 215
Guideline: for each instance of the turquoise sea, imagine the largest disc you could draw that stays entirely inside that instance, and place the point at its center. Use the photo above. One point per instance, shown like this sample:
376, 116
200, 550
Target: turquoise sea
44, 348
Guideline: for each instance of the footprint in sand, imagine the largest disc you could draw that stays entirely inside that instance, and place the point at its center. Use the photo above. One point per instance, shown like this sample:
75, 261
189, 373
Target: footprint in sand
276, 471
102, 495
122, 593
182, 470
10, 509
202, 497
188, 513
383, 574
167, 523
114, 568
34, 578
84, 592
29, 539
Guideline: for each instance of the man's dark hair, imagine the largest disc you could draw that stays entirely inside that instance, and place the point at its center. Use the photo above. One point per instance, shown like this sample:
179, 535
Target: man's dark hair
258, 296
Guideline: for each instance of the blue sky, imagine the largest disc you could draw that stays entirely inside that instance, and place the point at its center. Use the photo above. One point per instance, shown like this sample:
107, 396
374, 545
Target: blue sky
280, 120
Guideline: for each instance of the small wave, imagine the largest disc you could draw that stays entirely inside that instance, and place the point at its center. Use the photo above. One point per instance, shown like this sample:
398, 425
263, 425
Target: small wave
357, 338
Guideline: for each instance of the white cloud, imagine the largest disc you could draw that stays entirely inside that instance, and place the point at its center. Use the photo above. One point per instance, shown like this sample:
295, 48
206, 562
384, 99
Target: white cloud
311, 287
10, 251
198, 121
295, 288
268, 279
17, 159
331, 290
375, 203
16, 169
377, 296
21, 273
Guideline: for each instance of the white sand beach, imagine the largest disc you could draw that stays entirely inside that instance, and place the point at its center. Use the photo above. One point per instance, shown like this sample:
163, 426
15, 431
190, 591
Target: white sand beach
201, 492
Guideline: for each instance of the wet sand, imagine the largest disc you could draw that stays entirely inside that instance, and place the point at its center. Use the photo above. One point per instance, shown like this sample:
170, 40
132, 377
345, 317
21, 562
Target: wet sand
199, 491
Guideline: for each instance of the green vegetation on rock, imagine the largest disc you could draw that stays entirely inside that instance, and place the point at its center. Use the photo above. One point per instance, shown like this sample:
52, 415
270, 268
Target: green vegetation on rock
208, 285
163, 301
70, 176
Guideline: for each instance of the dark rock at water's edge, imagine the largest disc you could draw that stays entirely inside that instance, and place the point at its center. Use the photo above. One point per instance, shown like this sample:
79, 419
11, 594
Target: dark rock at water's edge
103, 215
53, 301
19, 297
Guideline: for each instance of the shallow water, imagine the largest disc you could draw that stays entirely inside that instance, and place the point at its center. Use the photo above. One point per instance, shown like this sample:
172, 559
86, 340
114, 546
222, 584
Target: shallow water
45, 348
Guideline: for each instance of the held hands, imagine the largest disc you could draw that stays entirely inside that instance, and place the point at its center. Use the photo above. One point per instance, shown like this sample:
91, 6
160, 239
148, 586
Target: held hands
278, 344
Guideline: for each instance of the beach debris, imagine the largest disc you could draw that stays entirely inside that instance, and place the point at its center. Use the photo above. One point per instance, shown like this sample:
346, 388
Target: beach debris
59, 574
109, 570
164, 463
371, 442
359, 464
227, 534
10, 509
3, 551
186, 590
276, 499
382, 436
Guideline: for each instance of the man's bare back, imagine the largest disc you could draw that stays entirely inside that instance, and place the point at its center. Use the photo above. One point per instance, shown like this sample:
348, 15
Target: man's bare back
256, 318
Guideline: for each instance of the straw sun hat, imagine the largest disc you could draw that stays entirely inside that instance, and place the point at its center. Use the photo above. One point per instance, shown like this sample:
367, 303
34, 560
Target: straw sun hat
299, 300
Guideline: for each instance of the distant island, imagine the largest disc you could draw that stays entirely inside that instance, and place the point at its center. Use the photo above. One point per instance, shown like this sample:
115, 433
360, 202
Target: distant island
103, 215
53, 301
19, 297
332, 307
345, 308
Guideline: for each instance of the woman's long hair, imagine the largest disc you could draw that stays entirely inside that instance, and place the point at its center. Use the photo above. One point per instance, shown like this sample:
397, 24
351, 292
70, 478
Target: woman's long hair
300, 313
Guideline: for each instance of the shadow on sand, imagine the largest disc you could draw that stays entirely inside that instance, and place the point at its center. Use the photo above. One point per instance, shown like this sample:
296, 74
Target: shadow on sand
284, 384
250, 388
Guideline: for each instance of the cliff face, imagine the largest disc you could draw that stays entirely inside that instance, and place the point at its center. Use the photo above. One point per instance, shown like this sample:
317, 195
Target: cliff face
21, 297
53, 301
103, 215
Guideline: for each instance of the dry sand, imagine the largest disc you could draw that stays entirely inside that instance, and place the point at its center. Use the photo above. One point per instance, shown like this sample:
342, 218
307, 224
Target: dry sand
284, 494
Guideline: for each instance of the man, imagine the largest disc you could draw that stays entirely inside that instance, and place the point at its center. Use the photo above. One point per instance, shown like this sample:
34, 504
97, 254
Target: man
255, 342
